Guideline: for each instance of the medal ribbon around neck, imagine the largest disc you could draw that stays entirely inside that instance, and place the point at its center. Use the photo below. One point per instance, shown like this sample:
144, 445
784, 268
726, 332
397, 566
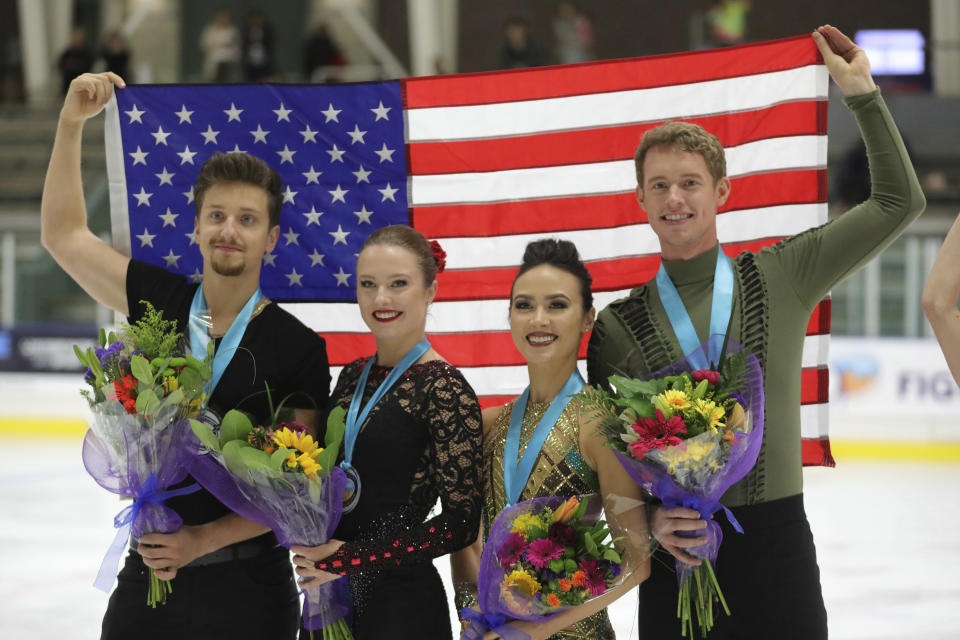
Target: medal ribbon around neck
720, 310
356, 417
516, 470
200, 337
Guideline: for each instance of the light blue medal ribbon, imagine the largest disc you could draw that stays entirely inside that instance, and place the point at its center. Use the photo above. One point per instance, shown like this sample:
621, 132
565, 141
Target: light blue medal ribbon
720, 311
516, 470
200, 337
356, 417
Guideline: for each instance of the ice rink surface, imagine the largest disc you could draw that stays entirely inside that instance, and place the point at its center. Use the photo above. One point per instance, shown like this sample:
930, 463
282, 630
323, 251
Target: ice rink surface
886, 533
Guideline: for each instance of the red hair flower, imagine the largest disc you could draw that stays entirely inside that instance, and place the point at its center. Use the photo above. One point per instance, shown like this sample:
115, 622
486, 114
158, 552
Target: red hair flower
439, 255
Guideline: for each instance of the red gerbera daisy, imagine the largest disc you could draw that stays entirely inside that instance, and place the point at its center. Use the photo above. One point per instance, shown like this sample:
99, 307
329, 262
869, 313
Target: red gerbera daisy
656, 433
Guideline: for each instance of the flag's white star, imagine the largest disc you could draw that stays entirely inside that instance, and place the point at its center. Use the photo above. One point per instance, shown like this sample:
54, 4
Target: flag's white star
209, 135
331, 113
259, 135
336, 155
171, 259
189, 196
313, 216
196, 276
312, 175
233, 113
309, 135
160, 136
386, 155
316, 258
338, 194
291, 237
139, 157
381, 112
192, 237
342, 277
236, 149
356, 135
283, 113
363, 215
270, 259
339, 236
288, 195
387, 193
146, 238
183, 114
135, 115
294, 278
165, 177
186, 155
362, 175
170, 219
286, 155
143, 198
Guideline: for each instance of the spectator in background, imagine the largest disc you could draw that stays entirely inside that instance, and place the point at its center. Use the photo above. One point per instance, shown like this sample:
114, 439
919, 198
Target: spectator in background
940, 296
220, 43
572, 33
321, 56
519, 49
76, 59
257, 48
727, 22
116, 54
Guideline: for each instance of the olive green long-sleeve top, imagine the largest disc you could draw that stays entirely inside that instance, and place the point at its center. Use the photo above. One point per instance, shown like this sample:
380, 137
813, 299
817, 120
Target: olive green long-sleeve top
775, 291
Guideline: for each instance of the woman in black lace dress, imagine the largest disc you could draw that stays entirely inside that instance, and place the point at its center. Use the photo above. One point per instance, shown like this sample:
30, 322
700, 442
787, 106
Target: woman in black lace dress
418, 437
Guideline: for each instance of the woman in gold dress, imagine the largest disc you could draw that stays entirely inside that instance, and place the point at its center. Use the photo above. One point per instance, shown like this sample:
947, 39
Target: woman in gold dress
551, 309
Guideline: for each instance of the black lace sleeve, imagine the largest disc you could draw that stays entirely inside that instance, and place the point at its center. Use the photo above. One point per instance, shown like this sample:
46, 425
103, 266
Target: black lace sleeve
449, 469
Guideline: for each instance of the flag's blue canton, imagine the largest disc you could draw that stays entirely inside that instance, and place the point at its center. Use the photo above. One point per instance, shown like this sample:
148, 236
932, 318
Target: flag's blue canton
339, 150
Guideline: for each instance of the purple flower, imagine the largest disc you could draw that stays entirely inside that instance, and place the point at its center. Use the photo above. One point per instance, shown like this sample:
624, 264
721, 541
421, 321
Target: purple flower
512, 548
615, 569
738, 398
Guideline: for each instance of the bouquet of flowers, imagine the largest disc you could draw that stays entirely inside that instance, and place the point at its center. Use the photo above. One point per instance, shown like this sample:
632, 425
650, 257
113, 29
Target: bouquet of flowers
278, 476
543, 556
143, 387
685, 437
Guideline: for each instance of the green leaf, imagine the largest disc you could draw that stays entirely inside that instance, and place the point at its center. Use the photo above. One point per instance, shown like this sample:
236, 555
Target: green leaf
141, 369
581, 510
172, 398
570, 566
102, 337
112, 337
336, 427
590, 546
81, 356
327, 459
313, 487
94, 363
190, 382
235, 426
279, 457
534, 532
641, 406
611, 555
631, 386
147, 401
205, 434
556, 565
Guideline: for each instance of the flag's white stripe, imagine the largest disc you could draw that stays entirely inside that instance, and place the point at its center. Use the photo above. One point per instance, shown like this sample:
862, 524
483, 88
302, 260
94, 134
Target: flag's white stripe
633, 240
116, 178
814, 420
595, 178
617, 107
443, 317
815, 351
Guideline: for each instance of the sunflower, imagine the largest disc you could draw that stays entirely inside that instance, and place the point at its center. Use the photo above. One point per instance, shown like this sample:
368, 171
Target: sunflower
523, 581
298, 440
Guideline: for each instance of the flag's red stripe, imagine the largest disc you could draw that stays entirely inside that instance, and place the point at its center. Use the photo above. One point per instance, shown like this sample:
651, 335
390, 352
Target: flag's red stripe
496, 348
605, 76
605, 211
604, 144
814, 385
494, 401
814, 451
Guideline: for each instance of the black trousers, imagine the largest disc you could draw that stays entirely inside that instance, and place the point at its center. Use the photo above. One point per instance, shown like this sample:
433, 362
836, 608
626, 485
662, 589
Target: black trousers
253, 599
768, 575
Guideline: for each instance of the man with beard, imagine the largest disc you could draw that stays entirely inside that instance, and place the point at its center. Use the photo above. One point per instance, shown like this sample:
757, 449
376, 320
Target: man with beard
232, 578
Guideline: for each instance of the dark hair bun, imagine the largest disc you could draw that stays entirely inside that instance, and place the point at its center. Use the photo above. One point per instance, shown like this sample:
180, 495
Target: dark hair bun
561, 254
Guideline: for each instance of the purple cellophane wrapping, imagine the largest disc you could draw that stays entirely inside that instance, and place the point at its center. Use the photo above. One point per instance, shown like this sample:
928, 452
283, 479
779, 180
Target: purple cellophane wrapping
285, 503
496, 610
135, 457
702, 491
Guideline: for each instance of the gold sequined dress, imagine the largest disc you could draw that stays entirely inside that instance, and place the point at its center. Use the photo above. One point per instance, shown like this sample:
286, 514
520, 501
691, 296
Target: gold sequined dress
560, 469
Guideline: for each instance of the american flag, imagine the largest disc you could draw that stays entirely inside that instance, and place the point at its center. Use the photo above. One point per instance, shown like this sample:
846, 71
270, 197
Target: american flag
484, 163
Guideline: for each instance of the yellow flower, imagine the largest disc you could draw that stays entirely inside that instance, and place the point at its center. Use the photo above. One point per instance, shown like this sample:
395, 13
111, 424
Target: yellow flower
523, 581
698, 449
301, 441
170, 384
713, 413
675, 399
524, 522
672, 456
309, 464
